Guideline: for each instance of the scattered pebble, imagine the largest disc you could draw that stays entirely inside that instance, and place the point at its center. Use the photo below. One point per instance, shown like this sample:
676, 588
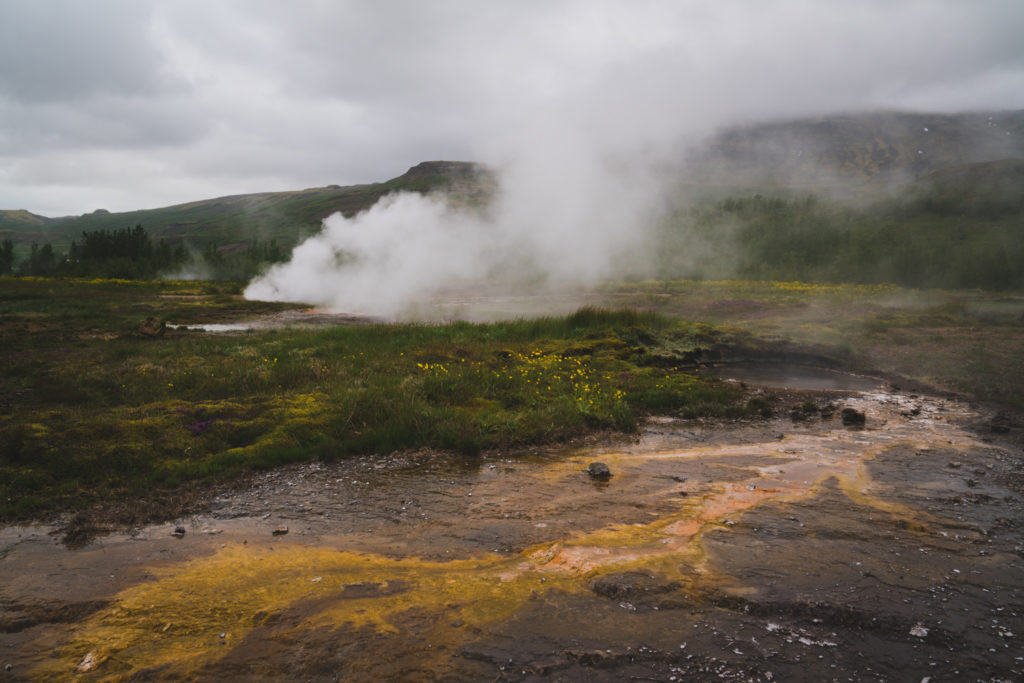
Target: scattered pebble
280, 531
88, 663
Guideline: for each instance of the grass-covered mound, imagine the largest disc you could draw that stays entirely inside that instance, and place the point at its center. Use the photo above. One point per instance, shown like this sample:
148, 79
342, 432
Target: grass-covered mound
94, 412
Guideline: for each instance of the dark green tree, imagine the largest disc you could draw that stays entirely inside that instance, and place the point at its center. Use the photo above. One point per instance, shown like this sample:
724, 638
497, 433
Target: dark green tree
6, 257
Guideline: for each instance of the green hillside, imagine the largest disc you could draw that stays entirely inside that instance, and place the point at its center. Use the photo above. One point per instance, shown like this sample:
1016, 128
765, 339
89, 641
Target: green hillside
961, 227
229, 223
920, 200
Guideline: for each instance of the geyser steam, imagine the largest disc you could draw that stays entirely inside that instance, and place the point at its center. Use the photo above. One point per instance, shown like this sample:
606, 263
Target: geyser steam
557, 221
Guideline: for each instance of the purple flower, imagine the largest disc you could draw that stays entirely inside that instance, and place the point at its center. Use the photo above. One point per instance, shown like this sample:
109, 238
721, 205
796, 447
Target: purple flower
198, 428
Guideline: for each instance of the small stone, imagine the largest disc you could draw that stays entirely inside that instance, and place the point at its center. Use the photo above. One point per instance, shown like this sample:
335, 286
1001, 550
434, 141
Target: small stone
853, 417
918, 631
280, 531
598, 470
88, 663
152, 327
178, 532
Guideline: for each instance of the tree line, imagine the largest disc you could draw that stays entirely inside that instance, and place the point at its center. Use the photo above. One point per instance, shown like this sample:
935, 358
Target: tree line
130, 253
813, 240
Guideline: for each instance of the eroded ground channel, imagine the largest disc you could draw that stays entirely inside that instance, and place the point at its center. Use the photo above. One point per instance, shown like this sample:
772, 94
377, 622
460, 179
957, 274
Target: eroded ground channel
791, 548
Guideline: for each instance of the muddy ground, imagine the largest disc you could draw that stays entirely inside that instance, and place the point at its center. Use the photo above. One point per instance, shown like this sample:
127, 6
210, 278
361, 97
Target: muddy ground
788, 548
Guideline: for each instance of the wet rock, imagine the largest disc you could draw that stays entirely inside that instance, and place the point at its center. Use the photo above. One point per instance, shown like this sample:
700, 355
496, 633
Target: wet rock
178, 532
599, 471
853, 417
280, 531
152, 327
88, 663
631, 585
1000, 423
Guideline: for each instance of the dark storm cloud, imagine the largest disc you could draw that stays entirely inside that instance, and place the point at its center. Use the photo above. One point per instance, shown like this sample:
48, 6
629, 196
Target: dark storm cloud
192, 99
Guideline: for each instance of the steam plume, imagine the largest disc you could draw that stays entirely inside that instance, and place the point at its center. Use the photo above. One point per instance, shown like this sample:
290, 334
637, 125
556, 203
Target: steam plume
559, 220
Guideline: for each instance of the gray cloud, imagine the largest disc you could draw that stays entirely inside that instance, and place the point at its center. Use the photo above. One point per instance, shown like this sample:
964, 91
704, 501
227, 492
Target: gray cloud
59, 51
136, 103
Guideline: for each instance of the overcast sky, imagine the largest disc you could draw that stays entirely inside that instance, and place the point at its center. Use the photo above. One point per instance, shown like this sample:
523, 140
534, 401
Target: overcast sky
127, 104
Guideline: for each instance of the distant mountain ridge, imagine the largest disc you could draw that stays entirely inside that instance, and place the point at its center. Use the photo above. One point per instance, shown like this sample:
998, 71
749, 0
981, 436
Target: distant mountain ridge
865, 152
872, 148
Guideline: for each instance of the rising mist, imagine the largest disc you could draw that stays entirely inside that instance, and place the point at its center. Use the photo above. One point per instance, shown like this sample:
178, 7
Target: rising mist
554, 223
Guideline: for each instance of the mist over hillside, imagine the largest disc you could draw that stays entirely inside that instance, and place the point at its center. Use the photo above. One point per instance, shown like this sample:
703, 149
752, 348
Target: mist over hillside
854, 152
924, 183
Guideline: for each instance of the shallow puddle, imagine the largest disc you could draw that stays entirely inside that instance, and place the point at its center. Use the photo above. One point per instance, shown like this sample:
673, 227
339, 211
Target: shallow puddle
761, 550
793, 376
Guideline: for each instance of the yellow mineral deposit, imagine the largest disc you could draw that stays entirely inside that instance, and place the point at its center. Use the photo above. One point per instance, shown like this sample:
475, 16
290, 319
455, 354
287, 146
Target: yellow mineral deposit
194, 613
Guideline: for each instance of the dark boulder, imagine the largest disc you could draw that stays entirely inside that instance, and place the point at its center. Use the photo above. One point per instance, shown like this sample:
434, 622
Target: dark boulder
152, 327
598, 470
853, 418
1000, 423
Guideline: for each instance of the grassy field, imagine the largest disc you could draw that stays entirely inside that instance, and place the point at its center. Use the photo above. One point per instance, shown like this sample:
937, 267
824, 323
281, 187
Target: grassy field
94, 412
968, 342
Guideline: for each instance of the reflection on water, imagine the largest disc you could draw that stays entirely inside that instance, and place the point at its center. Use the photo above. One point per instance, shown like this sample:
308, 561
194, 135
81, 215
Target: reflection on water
216, 327
789, 376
